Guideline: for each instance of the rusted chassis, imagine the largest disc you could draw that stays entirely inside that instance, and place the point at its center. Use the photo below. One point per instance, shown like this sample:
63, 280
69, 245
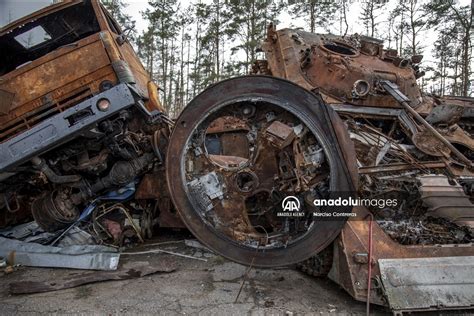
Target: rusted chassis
306, 106
349, 79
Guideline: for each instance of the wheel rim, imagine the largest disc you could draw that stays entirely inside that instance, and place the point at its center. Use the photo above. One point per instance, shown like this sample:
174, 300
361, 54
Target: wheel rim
235, 156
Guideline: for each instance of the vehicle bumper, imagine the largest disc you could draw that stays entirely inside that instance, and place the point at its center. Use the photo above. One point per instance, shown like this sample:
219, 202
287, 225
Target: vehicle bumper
63, 127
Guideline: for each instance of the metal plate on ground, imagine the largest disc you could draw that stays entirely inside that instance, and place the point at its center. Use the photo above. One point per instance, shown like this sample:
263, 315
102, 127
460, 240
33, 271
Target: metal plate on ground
428, 283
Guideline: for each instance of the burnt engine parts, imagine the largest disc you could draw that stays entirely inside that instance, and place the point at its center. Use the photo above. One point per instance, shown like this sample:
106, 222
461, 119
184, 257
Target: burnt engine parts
57, 209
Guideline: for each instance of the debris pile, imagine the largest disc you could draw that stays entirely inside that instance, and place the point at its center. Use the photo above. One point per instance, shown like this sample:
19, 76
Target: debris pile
403, 139
427, 231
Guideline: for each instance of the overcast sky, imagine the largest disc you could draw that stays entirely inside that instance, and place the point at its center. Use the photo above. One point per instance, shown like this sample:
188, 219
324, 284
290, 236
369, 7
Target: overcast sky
13, 9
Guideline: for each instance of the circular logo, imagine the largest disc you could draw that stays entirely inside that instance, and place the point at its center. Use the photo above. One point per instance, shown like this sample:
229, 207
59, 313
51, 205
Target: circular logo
290, 204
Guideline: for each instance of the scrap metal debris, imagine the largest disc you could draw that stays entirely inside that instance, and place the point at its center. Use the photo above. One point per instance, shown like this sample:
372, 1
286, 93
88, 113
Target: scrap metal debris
403, 139
410, 147
94, 257
446, 200
427, 231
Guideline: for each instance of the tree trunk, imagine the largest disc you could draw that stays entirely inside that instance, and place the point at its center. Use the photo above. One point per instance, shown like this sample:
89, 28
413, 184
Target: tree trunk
217, 39
312, 15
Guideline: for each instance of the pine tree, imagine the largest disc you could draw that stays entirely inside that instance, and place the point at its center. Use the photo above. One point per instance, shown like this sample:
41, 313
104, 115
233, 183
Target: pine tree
444, 51
117, 9
417, 20
370, 12
448, 12
248, 26
163, 28
182, 89
316, 12
397, 20
200, 20
147, 49
343, 22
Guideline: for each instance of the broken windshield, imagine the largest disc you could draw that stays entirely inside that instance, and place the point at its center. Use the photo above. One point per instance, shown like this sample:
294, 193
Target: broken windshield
45, 34
33, 37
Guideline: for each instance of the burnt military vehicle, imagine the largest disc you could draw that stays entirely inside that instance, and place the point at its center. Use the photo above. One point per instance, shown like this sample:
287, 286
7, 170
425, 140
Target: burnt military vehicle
82, 127
413, 147
323, 117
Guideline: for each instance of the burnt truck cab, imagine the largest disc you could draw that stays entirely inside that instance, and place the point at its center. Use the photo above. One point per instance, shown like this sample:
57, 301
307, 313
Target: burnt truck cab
73, 99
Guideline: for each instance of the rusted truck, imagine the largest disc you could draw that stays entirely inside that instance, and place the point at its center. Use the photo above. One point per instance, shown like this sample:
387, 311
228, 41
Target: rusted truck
249, 162
79, 114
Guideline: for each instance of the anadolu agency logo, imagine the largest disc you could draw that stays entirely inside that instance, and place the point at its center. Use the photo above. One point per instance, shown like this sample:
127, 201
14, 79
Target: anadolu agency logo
291, 207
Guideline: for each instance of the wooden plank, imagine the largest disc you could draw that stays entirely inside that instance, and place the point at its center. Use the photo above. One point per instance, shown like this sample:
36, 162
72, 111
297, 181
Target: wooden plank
129, 270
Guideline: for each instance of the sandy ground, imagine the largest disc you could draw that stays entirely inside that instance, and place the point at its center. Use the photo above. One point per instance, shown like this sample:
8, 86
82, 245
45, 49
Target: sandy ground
196, 287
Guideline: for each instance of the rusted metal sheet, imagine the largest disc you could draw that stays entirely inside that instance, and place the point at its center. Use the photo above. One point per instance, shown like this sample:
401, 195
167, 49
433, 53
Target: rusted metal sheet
426, 284
69, 64
279, 134
150, 186
6, 101
153, 187
122, 47
79, 69
351, 274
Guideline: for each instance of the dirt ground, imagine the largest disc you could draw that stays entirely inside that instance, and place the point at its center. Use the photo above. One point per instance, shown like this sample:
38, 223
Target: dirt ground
196, 287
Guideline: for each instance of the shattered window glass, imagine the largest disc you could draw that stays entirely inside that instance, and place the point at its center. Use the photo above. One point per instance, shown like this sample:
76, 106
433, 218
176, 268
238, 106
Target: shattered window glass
33, 37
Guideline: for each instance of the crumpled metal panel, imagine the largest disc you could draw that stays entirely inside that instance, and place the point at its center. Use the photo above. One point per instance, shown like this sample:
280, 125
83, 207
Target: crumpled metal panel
446, 200
93, 257
428, 283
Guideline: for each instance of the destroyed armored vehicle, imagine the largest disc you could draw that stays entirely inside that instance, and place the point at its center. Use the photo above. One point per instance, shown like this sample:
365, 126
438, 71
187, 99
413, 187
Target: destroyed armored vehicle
249, 160
416, 148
